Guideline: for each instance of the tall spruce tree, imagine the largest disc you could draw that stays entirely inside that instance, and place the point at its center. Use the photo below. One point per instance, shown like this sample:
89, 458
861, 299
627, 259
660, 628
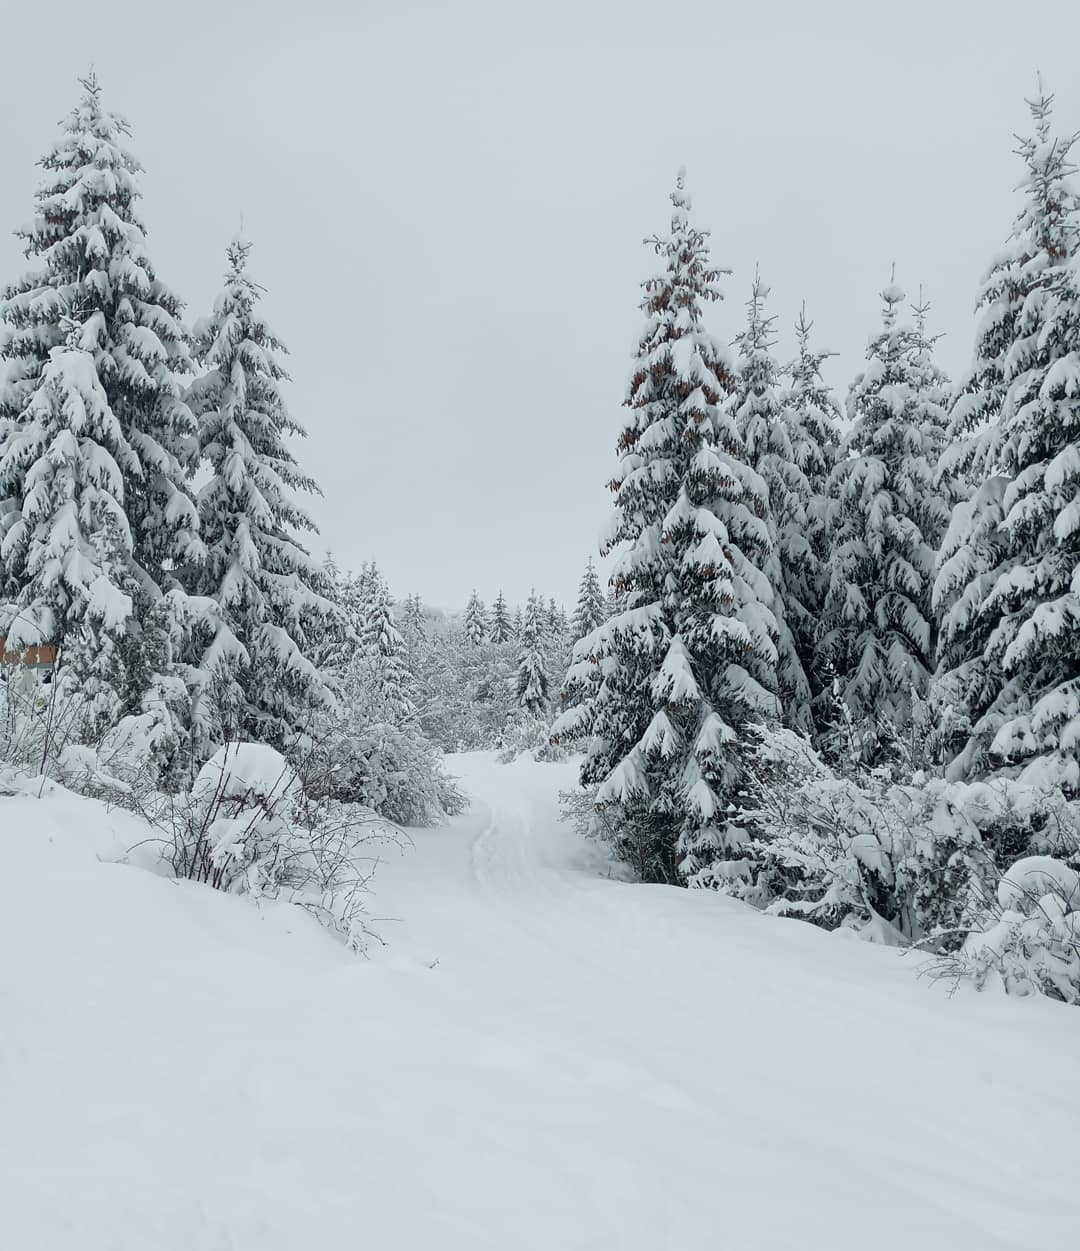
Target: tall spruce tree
764, 422
581, 680
877, 627
813, 411
69, 548
814, 421
591, 610
502, 630
414, 630
387, 679
1010, 581
93, 264
689, 658
255, 567
413, 618
531, 682
476, 620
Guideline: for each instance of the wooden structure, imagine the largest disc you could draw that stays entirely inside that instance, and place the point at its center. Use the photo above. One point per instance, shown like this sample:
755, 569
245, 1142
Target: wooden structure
41, 657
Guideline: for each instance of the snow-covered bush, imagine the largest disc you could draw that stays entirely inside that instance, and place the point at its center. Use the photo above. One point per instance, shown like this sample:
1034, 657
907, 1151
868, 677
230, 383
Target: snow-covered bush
50, 728
902, 861
42, 723
24, 709
389, 768
1027, 938
252, 825
637, 842
527, 733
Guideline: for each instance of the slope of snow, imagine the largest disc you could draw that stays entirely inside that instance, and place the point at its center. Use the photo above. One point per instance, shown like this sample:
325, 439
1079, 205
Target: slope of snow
542, 1058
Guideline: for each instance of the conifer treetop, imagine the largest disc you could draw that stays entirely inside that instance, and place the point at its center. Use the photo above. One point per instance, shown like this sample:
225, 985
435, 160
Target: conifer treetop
92, 264
1045, 236
255, 566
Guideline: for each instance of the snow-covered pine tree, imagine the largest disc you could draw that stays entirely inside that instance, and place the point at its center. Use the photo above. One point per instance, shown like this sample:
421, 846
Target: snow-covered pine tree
93, 265
369, 591
582, 674
936, 392
69, 549
1010, 579
591, 610
413, 622
332, 637
814, 422
476, 620
1014, 292
763, 422
531, 682
889, 517
966, 682
386, 677
517, 620
414, 631
813, 411
689, 658
255, 567
502, 630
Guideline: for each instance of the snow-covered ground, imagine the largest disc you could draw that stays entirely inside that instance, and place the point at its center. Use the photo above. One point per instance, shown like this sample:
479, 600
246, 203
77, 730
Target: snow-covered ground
541, 1059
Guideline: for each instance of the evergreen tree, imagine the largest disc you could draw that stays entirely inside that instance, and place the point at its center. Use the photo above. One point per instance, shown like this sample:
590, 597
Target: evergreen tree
387, 680
877, 628
582, 673
415, 633
255, 568
476, 622
690, 657
93, 264
813, 412
1009, 583
332, 636
502, 630
369, 593
517, 620
765, 425
814, 423
69, 548
966, 682
591, 610
1015, 292
532, 679
413, 621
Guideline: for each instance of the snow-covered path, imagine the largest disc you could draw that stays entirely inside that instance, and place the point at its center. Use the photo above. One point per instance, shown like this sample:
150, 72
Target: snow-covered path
541, 1059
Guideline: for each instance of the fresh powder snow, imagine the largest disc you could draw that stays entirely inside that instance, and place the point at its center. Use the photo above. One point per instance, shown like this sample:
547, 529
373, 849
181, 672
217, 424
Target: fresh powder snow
542, 1057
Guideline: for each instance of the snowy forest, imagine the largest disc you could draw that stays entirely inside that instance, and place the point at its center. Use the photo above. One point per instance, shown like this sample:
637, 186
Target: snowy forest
540, 627
835, 670
842, 676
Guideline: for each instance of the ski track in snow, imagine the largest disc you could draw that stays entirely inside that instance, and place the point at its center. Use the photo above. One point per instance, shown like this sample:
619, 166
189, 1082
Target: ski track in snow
542, 1058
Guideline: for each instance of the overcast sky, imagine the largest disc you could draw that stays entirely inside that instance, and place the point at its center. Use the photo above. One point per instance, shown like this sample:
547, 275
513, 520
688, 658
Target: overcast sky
447, 202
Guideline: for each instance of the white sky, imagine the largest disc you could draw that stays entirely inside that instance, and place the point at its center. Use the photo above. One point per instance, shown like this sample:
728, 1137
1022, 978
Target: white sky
447, 202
